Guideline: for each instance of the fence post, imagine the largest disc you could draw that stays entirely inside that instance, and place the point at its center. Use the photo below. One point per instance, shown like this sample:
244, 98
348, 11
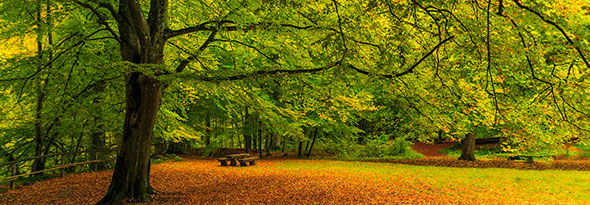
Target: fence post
63, 160
96, 159
13, 173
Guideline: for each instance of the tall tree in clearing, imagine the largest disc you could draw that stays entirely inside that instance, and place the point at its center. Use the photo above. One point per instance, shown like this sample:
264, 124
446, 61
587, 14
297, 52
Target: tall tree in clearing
142, 43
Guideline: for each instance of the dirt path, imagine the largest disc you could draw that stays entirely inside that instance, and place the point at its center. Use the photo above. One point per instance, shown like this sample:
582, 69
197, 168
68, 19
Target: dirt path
431, 150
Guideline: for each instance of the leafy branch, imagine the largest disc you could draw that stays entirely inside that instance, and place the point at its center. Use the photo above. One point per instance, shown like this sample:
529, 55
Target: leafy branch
409, 70
517, 2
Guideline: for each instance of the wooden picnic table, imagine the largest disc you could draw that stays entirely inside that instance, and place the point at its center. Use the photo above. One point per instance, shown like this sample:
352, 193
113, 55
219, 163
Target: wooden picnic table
233, 158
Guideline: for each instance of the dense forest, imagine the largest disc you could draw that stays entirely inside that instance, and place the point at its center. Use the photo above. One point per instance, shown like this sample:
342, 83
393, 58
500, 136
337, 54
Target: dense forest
348, 79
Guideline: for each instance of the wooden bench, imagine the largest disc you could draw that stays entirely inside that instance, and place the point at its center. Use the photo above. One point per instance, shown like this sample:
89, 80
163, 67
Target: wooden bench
527, 158
223, 161
245, 161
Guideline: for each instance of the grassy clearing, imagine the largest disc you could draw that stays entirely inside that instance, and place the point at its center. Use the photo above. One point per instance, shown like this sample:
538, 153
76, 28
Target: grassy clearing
466, 184
576, 151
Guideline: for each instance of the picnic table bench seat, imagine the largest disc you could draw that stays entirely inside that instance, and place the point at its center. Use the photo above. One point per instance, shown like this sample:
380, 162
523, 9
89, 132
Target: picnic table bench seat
244, 162
223, 161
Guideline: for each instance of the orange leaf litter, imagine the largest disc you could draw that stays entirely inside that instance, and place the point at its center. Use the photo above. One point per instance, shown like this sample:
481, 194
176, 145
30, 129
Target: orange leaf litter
203, 181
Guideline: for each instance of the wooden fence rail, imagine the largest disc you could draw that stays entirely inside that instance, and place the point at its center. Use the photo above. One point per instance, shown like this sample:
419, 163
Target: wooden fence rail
13, 165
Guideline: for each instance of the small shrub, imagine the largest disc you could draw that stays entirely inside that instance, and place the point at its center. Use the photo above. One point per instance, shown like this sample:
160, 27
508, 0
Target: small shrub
379, 147
400, 146
451, 149
582, 147
347, 150
162, 158
210, 150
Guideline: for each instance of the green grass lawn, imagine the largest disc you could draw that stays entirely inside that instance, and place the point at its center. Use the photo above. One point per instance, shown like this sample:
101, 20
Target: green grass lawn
483, 184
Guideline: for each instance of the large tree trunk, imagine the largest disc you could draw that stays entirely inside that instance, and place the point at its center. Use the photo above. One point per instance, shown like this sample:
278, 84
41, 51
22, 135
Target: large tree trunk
142, 42
468, 152
131, 175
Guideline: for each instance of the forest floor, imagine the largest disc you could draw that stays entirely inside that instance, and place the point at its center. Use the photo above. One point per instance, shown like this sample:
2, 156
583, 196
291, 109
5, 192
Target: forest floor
278, 180
431, 150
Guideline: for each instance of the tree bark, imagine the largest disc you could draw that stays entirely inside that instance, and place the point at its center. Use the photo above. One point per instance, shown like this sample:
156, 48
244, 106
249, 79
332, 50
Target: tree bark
276, 95
299, 150
246, 131
142, 42
468, 152
259, 131
39, 164
97, 138
315, 135
131, 176
208, 129
276, 141
283, 149
267, 144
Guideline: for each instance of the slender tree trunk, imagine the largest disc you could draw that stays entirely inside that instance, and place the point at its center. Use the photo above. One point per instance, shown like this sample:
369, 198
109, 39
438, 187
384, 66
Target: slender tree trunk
268, 144
254, 131
276, 95
73, 168
259, 138
315, 134
299, 150
468, 152
236, 127
283, 150
439, 140
208, 129
39, 164
97, 138
246, 131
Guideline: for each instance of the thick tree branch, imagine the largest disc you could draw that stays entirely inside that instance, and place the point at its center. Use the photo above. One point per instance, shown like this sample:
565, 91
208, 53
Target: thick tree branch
221, 26
268, 72
409, 70
101, 19
273, 58
205, 26
489, 66
158, 19
112, 10
186, 61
